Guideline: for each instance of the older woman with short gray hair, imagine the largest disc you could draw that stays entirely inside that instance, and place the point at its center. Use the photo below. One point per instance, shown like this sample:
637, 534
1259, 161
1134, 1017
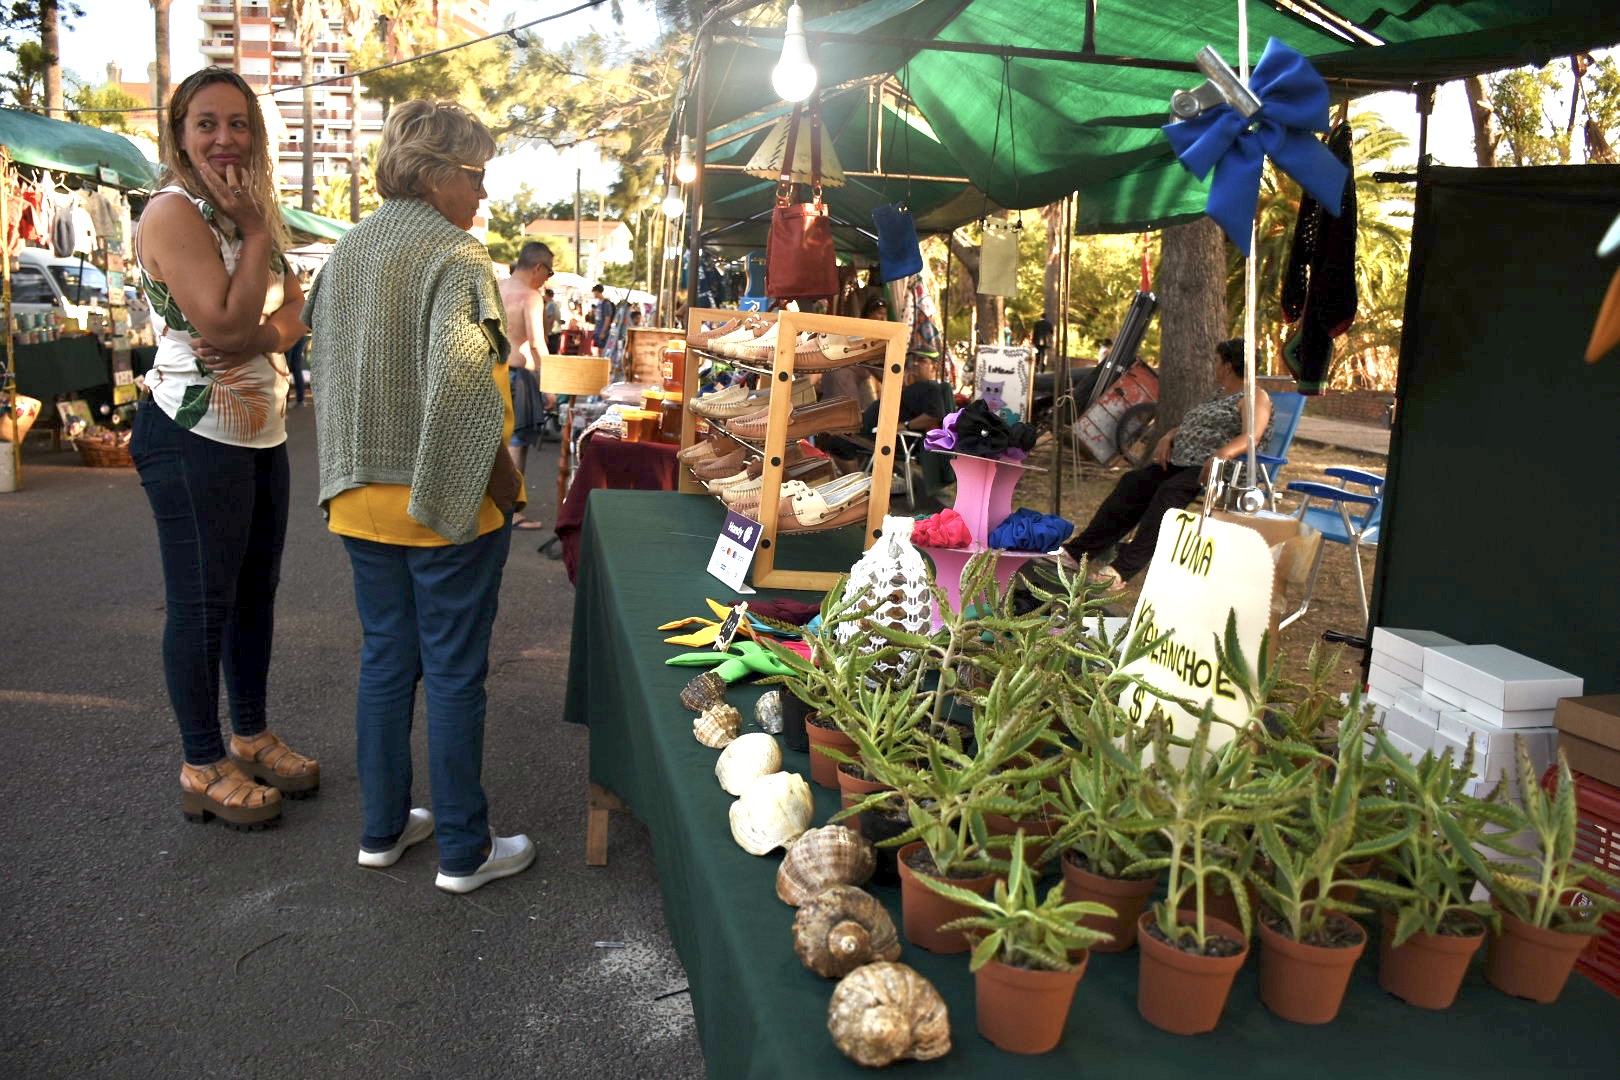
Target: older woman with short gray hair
412, 416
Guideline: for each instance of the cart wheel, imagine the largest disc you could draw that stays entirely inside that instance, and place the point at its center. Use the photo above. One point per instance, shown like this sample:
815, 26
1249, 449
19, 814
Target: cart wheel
1131, 434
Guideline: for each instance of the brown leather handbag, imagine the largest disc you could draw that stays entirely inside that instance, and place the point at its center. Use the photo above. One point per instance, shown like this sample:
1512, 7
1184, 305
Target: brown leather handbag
800, 263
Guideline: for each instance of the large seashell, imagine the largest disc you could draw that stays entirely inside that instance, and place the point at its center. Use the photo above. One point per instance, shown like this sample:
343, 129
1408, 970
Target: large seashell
768, 711
748, 758
841, 928
884, 1012
772, 812
705, 690
831, 855
717, 726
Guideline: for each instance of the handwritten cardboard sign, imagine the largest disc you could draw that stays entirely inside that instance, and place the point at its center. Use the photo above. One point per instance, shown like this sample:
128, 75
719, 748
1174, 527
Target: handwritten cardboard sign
1202, 569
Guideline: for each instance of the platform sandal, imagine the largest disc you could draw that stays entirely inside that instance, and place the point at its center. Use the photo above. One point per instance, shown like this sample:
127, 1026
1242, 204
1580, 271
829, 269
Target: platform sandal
222, 790
270, 761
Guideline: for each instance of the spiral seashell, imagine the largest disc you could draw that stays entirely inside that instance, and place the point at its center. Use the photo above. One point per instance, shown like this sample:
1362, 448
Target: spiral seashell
748, 758
717, 726
705, 690
772, 812
841, 928
884, 1012
831, 855
768, 711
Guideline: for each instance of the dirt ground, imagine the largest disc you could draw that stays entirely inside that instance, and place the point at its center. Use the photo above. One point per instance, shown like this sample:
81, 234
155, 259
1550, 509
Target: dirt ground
1333, 605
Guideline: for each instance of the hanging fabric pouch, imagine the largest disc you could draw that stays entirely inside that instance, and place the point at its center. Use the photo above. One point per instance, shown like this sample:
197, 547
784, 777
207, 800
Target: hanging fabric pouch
899, 254
800, 263
998, 260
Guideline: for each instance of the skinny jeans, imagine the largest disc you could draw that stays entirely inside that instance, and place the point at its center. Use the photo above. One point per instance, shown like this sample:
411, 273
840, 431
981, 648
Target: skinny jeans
221, 515
1139, 501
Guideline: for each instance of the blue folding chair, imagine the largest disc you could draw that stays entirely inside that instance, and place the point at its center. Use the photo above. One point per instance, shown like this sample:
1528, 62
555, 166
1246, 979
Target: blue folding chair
1272, 453
1352, 518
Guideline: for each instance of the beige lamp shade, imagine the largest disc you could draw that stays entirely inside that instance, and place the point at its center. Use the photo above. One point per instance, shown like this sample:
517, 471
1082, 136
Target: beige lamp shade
574, 375
767, 160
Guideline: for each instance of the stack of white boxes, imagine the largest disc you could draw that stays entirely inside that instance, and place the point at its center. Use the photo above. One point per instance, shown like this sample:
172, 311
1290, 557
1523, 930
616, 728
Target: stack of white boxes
1435, 694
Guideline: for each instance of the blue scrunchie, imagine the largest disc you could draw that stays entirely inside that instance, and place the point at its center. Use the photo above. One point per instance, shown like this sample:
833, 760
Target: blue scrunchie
1026, 530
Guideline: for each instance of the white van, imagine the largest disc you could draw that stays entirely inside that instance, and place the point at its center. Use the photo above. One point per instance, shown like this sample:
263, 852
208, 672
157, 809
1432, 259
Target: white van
72, 287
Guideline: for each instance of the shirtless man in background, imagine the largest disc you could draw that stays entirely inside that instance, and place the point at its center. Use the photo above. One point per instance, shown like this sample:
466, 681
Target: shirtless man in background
525, 314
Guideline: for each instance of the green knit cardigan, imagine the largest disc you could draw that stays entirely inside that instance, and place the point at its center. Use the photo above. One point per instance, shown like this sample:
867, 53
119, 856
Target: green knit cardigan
407, 326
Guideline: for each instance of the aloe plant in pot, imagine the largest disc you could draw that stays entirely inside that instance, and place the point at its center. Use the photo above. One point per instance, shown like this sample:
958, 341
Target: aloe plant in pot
1188, 958
1550, 910
1024, 977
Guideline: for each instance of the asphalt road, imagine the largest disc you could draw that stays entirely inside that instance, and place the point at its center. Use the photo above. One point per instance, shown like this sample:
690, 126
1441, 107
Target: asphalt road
135, 944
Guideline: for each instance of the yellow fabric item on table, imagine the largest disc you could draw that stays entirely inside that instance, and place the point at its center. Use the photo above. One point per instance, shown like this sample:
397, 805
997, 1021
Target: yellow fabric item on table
377, 512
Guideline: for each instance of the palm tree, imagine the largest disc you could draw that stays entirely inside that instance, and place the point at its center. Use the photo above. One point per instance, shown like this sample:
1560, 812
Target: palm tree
359, 19
308, 19
160, 77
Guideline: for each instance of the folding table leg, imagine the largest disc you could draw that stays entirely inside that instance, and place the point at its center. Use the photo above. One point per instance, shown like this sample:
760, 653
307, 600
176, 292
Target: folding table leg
599, 802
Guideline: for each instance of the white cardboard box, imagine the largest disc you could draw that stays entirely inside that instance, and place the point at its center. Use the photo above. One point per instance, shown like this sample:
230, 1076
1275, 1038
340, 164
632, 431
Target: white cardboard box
1423, 705
1380, 696
1489, 740
1482, 710
1405, 746
1413, 675
1498, 676
1390, 682
1406, 645
1413, 729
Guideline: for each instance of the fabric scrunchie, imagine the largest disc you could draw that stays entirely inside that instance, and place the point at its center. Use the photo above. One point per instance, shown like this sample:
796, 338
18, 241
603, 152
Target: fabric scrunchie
944, 529
1027, 530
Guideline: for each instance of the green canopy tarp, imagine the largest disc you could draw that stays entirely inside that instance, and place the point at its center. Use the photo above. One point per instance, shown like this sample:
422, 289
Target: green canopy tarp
307, 226
1080, 99
103, 156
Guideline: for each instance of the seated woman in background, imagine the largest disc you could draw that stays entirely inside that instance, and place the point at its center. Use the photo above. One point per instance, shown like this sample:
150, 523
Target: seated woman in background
1210, 432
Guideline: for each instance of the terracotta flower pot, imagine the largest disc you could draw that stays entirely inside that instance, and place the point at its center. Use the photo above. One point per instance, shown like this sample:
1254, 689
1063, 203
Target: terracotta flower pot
923, 911
1182, 992
794, 716
876, 826
1127, 896
1223, 906
1036, 832
855, 788
1023, 1011
1529, 962
1428, 969
823, 769
1306, 983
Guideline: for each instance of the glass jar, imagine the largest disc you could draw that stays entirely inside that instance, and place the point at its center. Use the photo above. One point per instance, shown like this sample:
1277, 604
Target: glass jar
669, 424
674, 365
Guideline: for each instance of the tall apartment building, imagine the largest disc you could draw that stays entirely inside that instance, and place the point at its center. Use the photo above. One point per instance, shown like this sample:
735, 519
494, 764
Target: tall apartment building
269, 59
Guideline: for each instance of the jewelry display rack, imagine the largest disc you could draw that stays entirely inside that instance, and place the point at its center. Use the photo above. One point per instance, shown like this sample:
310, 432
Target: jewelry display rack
789, 324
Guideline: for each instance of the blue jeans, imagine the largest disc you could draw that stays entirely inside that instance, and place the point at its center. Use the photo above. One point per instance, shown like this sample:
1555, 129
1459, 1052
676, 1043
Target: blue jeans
426, 612
221, 521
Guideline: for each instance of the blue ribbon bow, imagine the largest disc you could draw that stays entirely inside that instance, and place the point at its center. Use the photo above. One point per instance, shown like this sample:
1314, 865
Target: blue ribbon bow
1293, 103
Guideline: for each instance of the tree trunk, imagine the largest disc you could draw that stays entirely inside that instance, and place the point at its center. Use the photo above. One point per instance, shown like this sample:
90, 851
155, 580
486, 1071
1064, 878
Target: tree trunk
160, 72
1192, 317
236, 44
48, 44
1053, 304
306, 69
1485, 134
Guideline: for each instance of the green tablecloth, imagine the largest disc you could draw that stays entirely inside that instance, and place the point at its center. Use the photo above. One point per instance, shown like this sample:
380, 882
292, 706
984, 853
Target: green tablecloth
760, 1014
64, 366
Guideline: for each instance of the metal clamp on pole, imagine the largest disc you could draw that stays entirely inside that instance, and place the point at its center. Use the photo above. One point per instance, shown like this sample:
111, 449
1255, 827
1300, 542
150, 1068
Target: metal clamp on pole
1223, 87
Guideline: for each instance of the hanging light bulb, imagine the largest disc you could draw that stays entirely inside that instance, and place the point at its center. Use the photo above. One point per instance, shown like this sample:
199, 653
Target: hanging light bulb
674, 204
794, 76
686, 167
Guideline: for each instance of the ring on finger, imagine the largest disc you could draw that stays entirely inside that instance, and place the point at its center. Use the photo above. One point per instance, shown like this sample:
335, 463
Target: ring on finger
237, 192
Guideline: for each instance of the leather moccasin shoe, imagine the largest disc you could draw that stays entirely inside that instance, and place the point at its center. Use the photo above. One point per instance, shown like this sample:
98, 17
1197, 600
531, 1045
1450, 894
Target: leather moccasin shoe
508, 855
716, 468
834, 414
418, 827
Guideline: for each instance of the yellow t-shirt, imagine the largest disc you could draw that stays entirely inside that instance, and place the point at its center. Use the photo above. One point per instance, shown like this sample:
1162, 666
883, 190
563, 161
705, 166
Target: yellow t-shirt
377, 512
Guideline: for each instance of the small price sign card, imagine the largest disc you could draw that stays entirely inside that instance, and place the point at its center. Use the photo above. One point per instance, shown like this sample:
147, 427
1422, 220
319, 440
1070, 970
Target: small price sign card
734, 551
1202, 569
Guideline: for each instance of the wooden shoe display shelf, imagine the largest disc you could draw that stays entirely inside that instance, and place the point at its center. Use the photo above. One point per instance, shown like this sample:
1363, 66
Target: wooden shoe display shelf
789, 325
984, 488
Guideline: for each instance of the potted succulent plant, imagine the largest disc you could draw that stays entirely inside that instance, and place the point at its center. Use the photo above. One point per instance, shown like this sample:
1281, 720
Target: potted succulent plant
1309, 942
1189, 958
1431, 925
1024, 974
1548, 906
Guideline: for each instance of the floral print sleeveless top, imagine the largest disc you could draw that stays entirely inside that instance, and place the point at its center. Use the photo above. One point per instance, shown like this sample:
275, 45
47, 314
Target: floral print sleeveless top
245, 406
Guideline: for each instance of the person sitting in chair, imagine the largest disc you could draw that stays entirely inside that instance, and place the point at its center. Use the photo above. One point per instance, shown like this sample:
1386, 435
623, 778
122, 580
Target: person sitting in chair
1182, 460
924, 404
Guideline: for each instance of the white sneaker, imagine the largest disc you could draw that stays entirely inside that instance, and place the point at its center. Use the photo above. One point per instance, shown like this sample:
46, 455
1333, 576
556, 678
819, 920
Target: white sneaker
508, 855
418, 827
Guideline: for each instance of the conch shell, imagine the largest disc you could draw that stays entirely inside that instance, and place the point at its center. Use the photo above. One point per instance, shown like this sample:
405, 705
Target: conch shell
705, 690
831, 855
883, 1012
748, 758
773, 812
718, 725
841, 928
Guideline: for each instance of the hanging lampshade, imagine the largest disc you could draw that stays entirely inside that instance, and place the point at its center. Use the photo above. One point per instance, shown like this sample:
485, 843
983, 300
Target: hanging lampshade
767, 160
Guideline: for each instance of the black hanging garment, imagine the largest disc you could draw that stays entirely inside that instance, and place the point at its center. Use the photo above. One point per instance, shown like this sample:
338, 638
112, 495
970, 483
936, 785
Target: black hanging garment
1319, 288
